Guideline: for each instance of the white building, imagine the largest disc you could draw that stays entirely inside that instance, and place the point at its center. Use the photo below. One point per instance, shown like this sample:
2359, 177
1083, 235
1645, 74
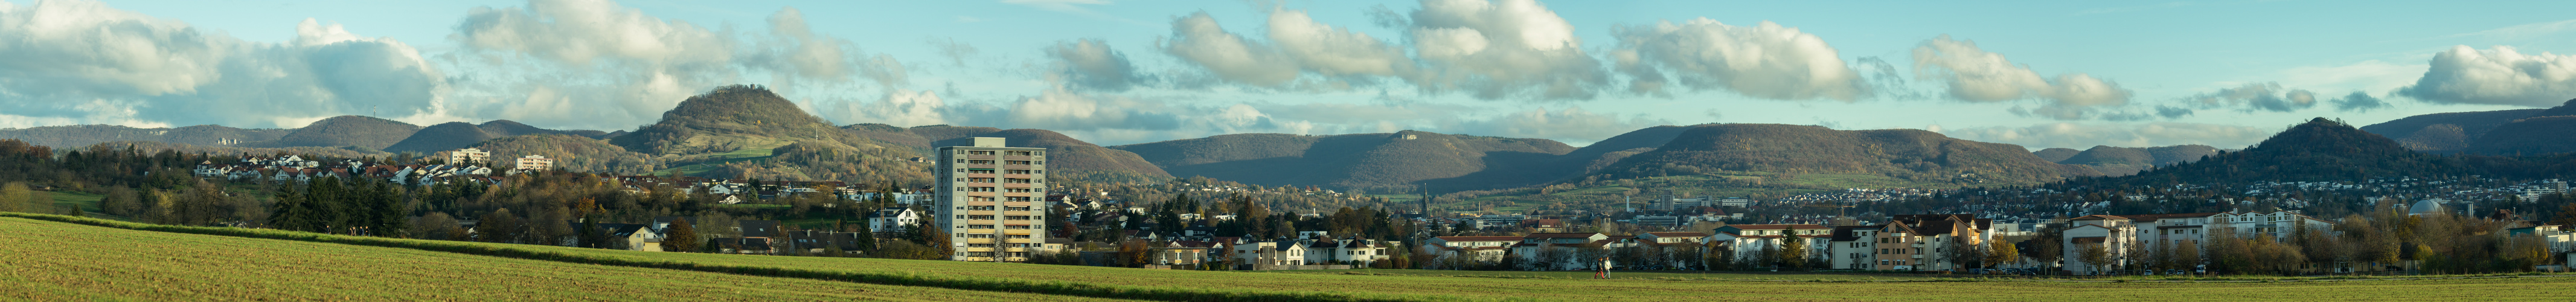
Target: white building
468, 156
991, 199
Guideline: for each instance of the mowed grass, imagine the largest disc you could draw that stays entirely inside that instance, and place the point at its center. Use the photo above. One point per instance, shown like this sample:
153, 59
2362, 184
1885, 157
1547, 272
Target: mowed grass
1332, 286
1397, 286
54, 261
1662, 275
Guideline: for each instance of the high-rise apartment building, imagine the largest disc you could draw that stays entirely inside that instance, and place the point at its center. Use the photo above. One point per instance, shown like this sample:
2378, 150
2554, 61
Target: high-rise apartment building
991, 200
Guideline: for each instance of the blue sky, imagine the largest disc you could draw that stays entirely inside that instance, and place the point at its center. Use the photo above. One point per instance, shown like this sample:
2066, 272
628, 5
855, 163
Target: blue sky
2035, 73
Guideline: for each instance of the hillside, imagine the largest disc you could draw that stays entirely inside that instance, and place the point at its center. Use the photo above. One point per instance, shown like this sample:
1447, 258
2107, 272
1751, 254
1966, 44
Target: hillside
2529, 136
62, 137
739, 131
454, 135
1344, 161
2446, 132
346, 130
1067, 157
2056, 155
2117, 161
2318, 150
1910, 155
1538, 169
571, 153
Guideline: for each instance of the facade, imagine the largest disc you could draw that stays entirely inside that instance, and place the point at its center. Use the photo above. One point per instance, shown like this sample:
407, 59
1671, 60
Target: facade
468, 155
536, 163
992, 202
2172, 231
1855, 247
1483, 248
893, 219
1748, 240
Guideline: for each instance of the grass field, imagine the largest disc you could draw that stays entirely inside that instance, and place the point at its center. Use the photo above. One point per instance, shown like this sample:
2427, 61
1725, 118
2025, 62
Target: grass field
54, 261
86, 201
1153, 284
1657, 275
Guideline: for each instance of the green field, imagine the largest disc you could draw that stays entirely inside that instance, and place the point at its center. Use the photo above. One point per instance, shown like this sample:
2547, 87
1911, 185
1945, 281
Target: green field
86, 201
64, 261
1657, 275
54, 261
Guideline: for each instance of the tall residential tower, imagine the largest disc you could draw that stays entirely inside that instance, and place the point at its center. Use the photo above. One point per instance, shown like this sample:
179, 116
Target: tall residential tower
992, 200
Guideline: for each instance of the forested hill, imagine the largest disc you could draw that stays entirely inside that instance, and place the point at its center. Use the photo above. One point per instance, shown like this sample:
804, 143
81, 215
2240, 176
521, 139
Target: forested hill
2118, 161
454, 135
2325, 150
77, 136
1066, 156
1344, 161
347, 130
747, 131
1912, 155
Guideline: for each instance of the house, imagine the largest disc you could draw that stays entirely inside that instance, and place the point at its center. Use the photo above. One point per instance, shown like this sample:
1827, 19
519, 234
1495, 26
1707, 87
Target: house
1855, 247
2110, 234
1483, 248
1183, 252
1270, 253
893, 218
764, 229
1347, 251
1749, 240
741, 245
1536, 245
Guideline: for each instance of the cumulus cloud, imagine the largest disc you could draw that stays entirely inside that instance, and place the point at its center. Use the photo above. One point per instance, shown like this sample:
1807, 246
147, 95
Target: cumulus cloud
1198, 39
1979, 76
2264, 96
2358, 102
2499, 75
902, 108
1569, 124
2086, 135
1502, 49
1089, 63
86, 62
1329, 50
628, 67
1766, 60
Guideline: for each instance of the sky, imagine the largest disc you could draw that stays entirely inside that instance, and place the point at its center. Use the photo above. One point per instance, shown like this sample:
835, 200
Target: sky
2034, 73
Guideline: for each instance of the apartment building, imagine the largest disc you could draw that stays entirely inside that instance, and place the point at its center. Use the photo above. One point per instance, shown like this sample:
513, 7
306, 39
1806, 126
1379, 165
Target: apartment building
991, 201
1748, 240
468, 155
535, 163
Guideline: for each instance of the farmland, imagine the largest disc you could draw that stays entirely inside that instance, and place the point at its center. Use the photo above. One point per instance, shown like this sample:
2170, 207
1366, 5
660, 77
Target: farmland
86, 262
54, 261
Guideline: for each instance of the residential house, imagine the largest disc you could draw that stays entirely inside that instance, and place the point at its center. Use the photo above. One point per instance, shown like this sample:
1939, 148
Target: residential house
1749, 240
1270, 253
1483, 248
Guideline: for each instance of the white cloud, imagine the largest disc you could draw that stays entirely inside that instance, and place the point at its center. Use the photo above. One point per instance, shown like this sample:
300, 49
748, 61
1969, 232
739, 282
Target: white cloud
2086, 135
2265, 96
629, 67
1765, 60
1976, 75
86, 62
1569, 124
1198, 39
1329, 50
2498, 75
899, 108
1089, 63
1503, 49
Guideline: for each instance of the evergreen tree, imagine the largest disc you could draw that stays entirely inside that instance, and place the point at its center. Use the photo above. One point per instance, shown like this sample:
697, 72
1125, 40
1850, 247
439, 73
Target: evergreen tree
288, 214
589, 236
386, 210
683, 237
867, 239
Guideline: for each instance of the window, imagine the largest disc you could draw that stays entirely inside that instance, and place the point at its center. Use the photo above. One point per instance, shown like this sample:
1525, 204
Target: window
1016, 181
1015, 208
980, 227
1016, 190
984, 198
1017, 153
1017, 237
980, 162
980, 189
979, 236
981, 245
980, 171
1013, 171
1015, 217
979, 208
979, 152
961, 160
980, 217
980, 180
1015, 227
1018, 198
1015, 162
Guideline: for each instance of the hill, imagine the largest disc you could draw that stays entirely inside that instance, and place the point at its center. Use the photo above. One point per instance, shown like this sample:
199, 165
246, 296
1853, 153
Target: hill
1910, 155
75, 136
571, 153
2117, 161
745, 131
2056, 155
1067, 157
2533, 136
346, 130
454, 135
2446, 132
1535, 169
1375, 160
2318, 150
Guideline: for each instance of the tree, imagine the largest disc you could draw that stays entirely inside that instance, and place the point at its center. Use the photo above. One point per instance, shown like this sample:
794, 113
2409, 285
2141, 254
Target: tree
1793, 248
683, 238
14, 197
867, 239
2094, 256
1999, 252
1962, 249
939, 241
